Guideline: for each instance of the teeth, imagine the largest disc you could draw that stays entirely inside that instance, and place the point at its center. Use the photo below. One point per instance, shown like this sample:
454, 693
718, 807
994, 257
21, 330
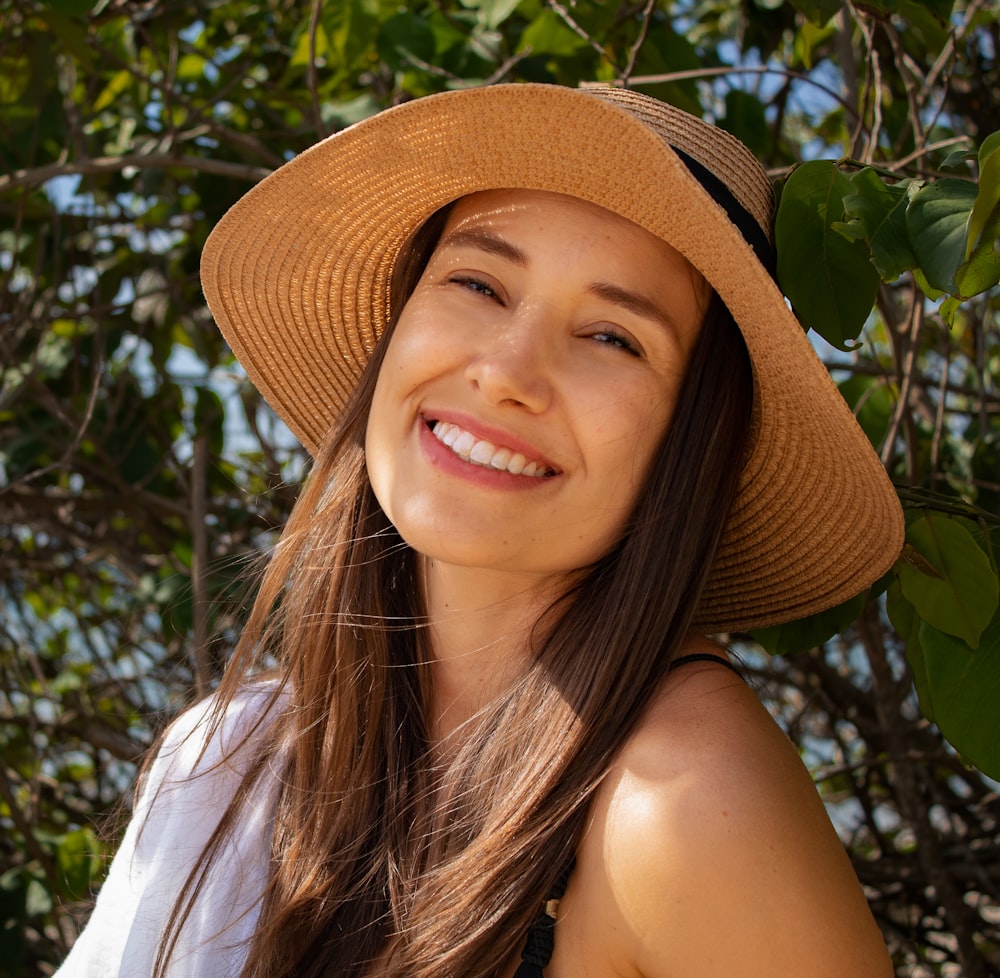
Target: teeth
472, 449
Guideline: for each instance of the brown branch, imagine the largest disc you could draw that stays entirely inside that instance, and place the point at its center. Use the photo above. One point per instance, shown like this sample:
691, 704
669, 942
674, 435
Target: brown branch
907, 371
912, 805
199, 570
696, 73
633, 54
109, 164
568, 20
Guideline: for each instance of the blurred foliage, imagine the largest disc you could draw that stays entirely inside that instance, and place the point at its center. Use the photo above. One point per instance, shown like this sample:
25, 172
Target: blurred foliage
140, 477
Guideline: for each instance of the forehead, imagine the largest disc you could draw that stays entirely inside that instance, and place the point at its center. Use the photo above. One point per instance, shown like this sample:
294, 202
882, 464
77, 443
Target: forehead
541, 225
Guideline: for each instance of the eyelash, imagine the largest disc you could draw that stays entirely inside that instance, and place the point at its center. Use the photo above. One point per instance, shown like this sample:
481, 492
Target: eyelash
618, 340
476, 285
614, 339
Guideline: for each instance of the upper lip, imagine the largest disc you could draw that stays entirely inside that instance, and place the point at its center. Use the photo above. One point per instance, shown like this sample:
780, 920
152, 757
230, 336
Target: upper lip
498, 437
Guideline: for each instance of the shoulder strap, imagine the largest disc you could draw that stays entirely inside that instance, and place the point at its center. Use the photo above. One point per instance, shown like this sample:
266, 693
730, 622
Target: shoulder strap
541, 940
706, 657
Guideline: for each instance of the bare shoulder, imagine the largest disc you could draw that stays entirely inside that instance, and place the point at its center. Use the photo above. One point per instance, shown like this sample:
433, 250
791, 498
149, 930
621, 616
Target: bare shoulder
716, 852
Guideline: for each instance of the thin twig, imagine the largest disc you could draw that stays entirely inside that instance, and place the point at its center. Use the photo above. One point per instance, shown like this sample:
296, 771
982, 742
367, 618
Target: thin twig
577, 29
143, 161
507, 66
647, 16
311, 80
695, 73
940, 414
909, 368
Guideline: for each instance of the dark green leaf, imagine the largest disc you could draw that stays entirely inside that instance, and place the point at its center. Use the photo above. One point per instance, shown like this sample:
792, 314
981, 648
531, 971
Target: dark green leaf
828, 278
873, 403
404, 38
548, 34
964, 687
981, 269
948, 578
745, 120
817, 11
880, 210
907, 623
937, 220
807, 633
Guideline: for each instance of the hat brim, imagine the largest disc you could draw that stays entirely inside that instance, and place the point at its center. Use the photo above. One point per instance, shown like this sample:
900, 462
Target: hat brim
296, 275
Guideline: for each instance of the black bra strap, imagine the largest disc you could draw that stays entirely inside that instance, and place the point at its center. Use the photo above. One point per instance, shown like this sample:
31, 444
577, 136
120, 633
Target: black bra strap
541, 941
706, 657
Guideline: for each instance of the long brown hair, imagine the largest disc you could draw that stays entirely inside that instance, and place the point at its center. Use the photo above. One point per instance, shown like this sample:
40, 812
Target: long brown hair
383, 863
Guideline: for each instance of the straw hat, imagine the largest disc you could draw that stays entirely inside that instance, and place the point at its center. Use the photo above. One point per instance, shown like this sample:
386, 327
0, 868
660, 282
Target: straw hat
296, 275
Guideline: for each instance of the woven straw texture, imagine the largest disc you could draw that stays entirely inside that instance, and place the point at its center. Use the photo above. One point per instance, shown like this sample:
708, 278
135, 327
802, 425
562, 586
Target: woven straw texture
296, 275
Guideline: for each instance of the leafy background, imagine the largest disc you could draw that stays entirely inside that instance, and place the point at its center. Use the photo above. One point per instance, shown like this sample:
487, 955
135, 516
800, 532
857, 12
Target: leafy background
140, 477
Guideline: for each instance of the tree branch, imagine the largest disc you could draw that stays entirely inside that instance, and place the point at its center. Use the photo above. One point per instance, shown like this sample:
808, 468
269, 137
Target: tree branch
147, 161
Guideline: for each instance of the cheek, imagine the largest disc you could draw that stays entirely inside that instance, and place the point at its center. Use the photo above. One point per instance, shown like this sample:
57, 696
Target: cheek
636, 441
385, 417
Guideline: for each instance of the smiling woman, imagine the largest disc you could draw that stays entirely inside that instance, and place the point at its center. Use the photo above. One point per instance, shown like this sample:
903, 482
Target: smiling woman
565, 428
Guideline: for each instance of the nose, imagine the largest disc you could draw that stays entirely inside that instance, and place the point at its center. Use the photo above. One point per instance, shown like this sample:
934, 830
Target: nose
514, 366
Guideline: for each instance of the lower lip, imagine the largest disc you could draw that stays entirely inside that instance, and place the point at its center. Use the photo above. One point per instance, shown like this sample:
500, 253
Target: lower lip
443, 458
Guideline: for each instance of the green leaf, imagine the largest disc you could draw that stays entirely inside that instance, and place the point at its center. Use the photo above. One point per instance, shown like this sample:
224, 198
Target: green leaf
937, 220
746, 121
880, 210
828, 278
404, 38
319, 44
907, 623
191, 67
811, 36
940, 10
981, 269
983, 219
817, 11
119, 83
990, 145
948, 578
79, 858
72, 8
873, 403
38, 900
492, 13
548, 34
964, 686
807, 633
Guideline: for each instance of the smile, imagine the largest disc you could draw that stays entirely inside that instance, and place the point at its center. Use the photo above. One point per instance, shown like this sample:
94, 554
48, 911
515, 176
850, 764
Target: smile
472, 449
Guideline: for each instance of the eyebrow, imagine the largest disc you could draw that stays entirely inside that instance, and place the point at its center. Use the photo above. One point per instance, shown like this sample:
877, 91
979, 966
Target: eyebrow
486, 241
637, 304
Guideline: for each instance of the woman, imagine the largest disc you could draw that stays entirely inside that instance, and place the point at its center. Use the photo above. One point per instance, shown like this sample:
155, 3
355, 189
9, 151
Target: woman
565, 427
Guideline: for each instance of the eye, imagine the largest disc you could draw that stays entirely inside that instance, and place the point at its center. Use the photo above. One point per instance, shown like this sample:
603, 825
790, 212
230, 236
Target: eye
615, 338
474, 284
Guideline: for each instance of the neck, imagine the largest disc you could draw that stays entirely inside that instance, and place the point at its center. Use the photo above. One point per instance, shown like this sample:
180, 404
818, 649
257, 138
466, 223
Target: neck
484, 627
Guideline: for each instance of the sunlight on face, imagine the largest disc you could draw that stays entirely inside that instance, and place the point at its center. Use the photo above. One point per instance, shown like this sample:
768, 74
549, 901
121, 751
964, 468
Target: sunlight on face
529, 382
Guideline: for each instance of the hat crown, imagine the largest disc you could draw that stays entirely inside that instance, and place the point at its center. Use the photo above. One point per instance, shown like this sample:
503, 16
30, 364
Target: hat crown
715, 149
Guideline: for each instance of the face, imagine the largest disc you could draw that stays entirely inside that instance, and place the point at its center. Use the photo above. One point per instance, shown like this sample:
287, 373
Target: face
529, 381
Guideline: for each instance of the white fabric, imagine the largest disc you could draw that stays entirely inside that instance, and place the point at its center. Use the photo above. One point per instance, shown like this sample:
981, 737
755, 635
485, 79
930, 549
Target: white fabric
180, 805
